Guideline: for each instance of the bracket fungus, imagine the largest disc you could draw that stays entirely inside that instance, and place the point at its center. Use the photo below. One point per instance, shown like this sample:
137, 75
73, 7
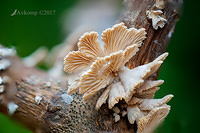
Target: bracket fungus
157, 19
99, 69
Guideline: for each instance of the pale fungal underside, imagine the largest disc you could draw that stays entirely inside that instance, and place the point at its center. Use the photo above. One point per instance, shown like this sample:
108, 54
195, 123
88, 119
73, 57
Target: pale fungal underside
157, 19
98, 69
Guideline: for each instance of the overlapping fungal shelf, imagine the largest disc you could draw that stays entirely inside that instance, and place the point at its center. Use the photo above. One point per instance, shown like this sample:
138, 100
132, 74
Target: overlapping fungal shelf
105, 69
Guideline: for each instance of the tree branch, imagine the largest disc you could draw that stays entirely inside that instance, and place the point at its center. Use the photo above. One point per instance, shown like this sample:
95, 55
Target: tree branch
55, 112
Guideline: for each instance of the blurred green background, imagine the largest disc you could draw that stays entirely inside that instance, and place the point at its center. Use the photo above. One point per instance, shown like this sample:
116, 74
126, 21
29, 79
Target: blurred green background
180, 70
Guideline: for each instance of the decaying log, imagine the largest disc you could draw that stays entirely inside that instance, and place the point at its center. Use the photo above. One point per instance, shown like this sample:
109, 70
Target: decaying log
44, 106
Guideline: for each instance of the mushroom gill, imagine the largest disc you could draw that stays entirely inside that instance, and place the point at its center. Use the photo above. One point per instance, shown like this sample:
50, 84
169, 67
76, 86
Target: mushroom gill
105, 69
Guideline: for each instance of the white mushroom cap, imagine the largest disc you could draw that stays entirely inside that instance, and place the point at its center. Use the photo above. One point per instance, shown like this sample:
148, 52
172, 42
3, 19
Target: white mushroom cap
148, 84
148, 94
157, 20
134, 78
149, 104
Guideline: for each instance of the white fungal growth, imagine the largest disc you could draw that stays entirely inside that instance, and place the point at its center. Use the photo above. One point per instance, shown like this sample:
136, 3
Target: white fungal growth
12, 108
1, 80
157, 19
38, 99
2, 88
4, 64
67, 98
7, 52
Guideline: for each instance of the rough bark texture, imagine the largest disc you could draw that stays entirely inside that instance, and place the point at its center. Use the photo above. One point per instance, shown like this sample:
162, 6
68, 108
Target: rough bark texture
53, 114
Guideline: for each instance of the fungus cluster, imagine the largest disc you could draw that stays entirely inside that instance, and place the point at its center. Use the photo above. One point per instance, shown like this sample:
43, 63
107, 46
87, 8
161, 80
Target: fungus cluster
4, 65
156, 15
98, 69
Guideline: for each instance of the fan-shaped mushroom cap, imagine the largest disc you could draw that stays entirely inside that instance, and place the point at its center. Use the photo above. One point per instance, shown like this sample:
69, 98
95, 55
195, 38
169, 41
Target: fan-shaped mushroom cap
157, 20
100, 74
148, 84
89, 50
149, 104
148, 123
120, 45
77, 60
89, 44
148, 94
119, 37
148, 89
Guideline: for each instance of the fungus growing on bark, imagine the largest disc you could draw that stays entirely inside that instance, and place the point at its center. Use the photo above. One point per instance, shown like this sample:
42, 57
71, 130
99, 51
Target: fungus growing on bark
38, 99
120, 44
2, 88
98, 69
157, 19
12, 107
6, 52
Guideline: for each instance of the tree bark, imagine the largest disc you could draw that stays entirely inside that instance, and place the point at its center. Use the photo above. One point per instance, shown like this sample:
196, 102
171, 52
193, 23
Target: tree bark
53, 114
